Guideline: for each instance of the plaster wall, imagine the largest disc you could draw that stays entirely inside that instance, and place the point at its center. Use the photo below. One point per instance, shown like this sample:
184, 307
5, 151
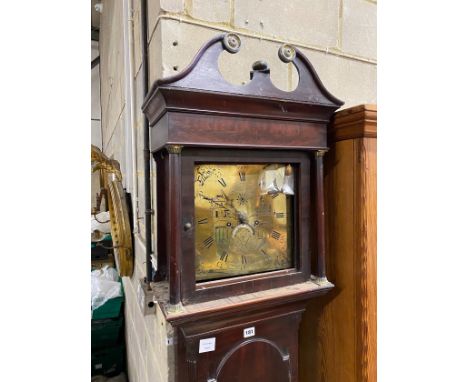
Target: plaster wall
338, 36
148, 355
96, 138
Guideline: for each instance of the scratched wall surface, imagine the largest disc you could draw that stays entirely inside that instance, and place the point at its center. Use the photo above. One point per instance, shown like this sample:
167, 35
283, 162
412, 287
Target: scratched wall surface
338, 36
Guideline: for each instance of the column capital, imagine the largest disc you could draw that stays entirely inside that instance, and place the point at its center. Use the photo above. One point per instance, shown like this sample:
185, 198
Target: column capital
174, 149
320, 153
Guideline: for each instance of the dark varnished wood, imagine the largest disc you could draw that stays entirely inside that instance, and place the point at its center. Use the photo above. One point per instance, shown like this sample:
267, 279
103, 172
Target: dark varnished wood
320, 214
236, 306
162, 216
216, 121
248, 115
192, 291
169, 99
191, 129
203, 74
270, 355
275, 314
261, 360
174, 243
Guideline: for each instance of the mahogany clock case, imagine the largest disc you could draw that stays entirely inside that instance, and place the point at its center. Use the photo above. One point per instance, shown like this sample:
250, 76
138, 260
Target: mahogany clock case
270, 355
303, 230
198, 117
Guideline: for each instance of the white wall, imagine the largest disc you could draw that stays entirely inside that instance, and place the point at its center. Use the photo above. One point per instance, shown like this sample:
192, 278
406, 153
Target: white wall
96, 138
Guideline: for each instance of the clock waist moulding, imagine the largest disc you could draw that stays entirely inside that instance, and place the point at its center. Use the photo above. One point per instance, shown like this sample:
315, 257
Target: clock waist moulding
242, 323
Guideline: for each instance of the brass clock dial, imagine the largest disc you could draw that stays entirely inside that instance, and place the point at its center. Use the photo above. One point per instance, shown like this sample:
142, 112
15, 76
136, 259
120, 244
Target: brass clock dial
239, 230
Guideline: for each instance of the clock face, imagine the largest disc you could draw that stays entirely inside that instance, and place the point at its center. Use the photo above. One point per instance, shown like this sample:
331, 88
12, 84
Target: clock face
243, 225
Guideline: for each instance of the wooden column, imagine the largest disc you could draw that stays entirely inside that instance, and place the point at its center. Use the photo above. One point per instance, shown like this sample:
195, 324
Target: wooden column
174, 221
320, 216
338, 336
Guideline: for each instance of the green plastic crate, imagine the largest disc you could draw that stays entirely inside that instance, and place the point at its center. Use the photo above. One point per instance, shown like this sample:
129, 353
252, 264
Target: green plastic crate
111, 308
106, 332
108, 361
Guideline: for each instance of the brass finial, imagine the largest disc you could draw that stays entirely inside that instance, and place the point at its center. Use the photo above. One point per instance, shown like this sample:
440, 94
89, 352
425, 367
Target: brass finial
232, 42
287, 53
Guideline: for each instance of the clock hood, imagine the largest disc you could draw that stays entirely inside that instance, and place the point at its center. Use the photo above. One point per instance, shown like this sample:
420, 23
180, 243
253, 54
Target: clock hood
309, 101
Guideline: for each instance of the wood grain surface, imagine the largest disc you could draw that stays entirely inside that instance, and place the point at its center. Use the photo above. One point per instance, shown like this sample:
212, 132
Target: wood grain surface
355, 122
338, 335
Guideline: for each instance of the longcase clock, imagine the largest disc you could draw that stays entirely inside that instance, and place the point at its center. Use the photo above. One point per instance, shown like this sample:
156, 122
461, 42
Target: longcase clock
240, 213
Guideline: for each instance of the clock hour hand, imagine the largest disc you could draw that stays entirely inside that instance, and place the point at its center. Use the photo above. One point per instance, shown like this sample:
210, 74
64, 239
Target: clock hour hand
228, 200
212, 200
